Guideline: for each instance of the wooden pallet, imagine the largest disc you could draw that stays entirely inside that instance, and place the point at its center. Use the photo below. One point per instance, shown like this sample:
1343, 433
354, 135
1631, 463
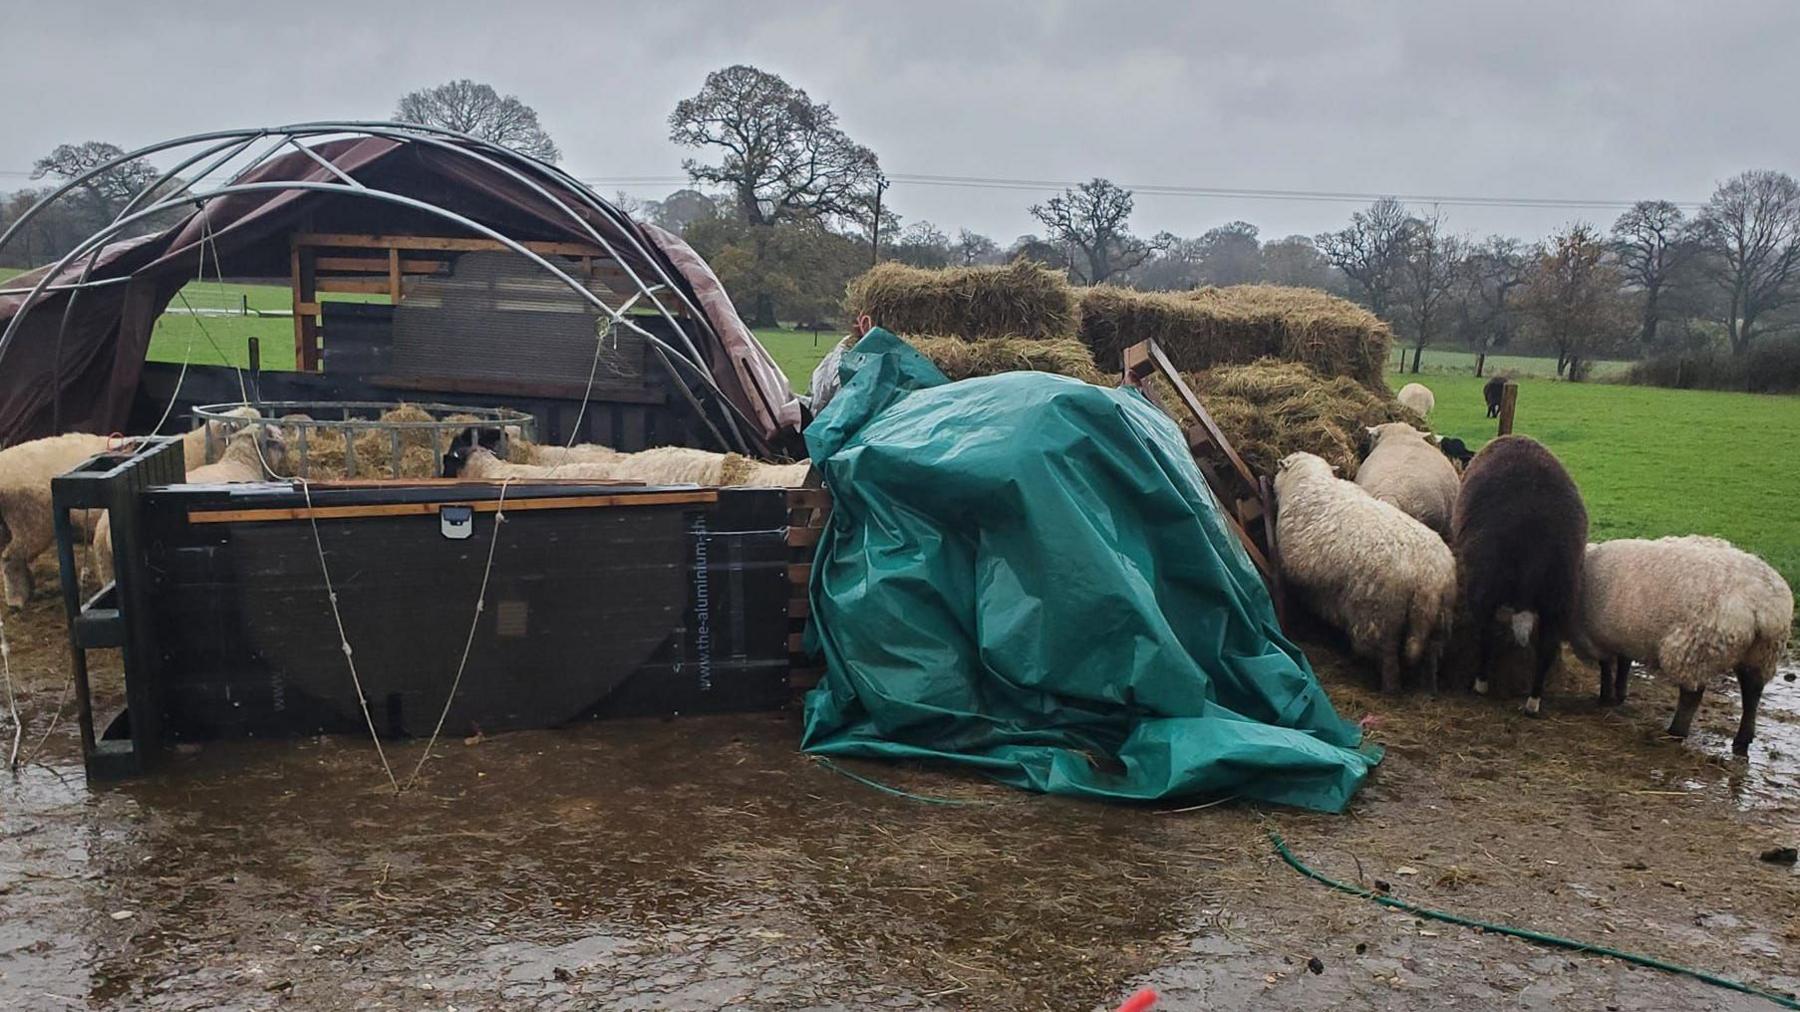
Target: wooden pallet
807, 510
1248, 497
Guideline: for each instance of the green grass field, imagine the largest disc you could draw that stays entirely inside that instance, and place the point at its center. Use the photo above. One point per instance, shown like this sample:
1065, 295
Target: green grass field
1652, 462
1439, 362
1649, 461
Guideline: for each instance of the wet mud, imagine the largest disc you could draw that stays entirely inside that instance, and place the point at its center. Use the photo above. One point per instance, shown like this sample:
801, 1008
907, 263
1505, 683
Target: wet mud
703, 863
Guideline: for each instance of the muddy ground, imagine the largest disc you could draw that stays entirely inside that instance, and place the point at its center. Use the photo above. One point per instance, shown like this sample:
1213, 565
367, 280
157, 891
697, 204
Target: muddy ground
703, 863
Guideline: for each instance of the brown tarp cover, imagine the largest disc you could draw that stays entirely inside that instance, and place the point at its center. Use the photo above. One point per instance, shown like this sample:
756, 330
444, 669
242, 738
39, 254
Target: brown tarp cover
95, 360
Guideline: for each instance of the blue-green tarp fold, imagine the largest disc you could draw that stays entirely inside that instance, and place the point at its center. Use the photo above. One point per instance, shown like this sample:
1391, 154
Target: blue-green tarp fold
1028, 575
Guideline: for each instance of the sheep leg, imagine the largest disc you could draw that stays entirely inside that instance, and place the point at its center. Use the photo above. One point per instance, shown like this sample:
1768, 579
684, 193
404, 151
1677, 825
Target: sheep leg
1750, 683
1428, 670
1684, 712
1547, 649
1621, 678
15, 576
1390, 665
1485, 660
1606, 681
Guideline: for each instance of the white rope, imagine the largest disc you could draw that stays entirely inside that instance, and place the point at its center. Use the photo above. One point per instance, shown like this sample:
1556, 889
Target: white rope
343, 638
474, 624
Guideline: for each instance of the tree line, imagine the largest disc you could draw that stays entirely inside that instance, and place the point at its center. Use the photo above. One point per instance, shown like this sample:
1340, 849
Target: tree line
787, 208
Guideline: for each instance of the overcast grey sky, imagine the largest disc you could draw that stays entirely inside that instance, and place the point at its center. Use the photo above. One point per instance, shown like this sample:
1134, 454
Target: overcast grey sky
1593, 101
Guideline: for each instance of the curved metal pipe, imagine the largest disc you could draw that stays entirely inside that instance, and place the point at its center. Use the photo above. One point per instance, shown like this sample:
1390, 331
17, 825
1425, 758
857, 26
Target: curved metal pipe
100, 237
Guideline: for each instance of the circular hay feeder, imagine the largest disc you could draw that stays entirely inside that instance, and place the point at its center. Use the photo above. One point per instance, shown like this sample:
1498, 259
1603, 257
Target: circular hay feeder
363, 439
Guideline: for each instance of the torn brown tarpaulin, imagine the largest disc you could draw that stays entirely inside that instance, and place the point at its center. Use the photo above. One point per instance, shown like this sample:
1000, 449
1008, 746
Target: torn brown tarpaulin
83, 376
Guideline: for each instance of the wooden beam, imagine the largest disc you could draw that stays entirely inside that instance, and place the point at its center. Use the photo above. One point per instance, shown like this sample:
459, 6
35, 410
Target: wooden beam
379, 265
306, 311
1509, 401
701, 496
394, 276
360, 286
340, 240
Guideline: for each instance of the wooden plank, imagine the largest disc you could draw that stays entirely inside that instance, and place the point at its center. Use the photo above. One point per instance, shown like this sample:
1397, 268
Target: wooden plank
361, 286
802, 537
571, 391
306, 312
802, 679
379, 265
797, 644
799, 573
394, 276
799, 608
1191, 401
814, 497
431, 508
341, 240
1509, 402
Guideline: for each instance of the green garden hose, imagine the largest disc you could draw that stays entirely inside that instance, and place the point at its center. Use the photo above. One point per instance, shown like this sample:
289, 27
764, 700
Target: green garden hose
1538, 937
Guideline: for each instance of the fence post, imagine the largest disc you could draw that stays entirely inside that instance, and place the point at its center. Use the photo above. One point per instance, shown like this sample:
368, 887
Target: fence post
1509, 399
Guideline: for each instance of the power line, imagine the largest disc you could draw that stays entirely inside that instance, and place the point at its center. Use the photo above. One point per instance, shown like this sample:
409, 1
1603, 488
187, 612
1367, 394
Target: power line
1211, 192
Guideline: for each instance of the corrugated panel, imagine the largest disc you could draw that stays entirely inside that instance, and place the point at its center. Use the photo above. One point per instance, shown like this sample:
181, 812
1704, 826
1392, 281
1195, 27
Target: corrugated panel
499, 316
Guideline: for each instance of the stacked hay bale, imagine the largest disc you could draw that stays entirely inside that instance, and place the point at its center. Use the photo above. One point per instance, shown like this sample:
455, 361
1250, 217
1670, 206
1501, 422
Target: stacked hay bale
1238, 325
973, 303
1270, 408
978, 321
1279, 369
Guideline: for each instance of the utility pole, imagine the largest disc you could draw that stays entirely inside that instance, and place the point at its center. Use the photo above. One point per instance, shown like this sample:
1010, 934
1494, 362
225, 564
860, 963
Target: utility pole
875, 229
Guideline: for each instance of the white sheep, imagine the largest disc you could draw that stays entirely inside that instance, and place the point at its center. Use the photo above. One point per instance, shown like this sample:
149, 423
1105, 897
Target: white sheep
1405, 469
1692, 608
1418, 397
213, 433
1366, 567
243, 461
662, 465
27, 529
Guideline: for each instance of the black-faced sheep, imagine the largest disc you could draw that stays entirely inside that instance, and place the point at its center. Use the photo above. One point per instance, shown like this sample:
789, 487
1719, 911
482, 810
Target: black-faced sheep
1457, 450
1493, 391
26, 517
1379, 575
1519, 533
1404, 469
1690, 607
1418, 397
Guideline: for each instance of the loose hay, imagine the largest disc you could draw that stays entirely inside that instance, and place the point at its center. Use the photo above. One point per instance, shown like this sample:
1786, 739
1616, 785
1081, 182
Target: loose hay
1270, 408
1237, 325
1019, 300
961, 359
374, 449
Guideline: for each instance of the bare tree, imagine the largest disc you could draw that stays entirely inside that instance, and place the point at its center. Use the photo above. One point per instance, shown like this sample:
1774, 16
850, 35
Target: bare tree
784, 157
1428, 275
1487, 304
105, 193
974, 248
1371, 251
1651, 245
1573, 297
1093, 221
478, 110
1750, 231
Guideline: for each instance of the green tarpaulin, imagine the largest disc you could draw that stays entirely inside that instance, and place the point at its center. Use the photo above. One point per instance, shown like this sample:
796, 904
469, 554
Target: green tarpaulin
1027, 574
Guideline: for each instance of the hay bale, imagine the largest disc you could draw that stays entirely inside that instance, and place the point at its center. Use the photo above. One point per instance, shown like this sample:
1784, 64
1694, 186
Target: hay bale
961, 359
1211, 327
1271, 408
1021, 299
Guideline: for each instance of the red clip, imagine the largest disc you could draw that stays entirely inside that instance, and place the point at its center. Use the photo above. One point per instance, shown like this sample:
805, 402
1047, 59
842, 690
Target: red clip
1143, 1001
